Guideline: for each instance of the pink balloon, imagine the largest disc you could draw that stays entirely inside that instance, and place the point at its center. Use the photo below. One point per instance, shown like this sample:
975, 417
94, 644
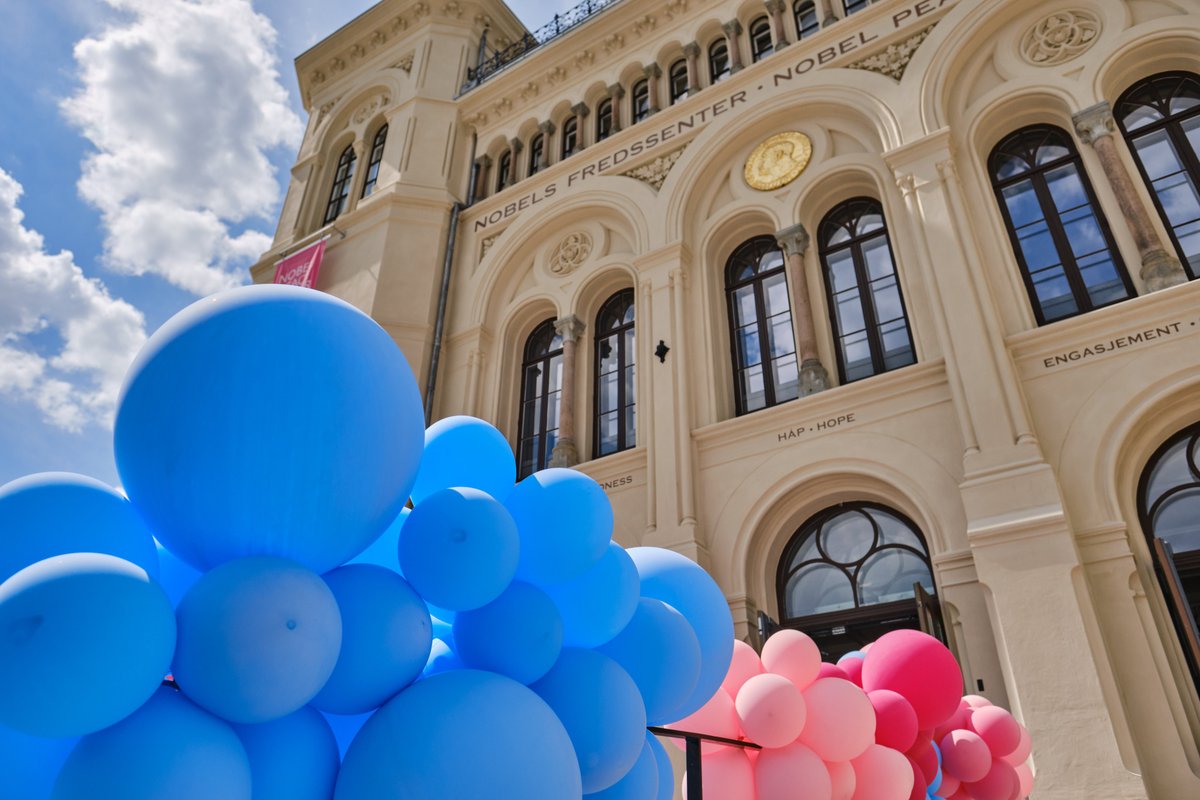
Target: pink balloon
976, 701
949, 785
958, 720
925, 757
793, 655
744, 666
789, 772
1025, 779
841, 775
1000, 783
841, 720
961, 794
853, 668
828, 670
998, 729
920, 668
771, 710
895, 720
1021, 754
726, 774
919, 784
882, 774
965, 756
717, 717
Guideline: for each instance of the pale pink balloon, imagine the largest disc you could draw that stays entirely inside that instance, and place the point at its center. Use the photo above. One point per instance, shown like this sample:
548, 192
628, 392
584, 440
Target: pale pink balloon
998, 729
726, 774
841, 775
958, 720
841, 720
786, 773
1000, 783
895, 720
919, 667
949, 785
771, 710
1021, 754
976, 701
1025, 778
882, 774
744, 666
794, 655
965, 756
717, 717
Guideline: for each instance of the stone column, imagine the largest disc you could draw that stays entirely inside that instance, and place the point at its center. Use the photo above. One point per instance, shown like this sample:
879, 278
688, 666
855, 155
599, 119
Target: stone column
825, 7
733, 38
581, 111
481, 175
513, 171
1160, 269
691, 52
653, 73
775, 9
813, 376
617, 92
547, 129
565, 453
360, 175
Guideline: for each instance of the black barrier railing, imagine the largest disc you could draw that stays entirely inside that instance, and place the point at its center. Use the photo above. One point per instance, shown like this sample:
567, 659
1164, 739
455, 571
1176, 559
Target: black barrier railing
695, 779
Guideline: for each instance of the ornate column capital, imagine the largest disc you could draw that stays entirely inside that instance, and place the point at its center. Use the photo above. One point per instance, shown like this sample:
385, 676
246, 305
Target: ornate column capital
547, 128
732, 28
793, 240
570, 328
580, 110
517, 145
616, 91
1094, 122
653, 71
692, 50
484, 160
774, 6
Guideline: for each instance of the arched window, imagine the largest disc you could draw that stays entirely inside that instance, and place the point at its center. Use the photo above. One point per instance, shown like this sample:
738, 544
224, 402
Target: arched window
1160, 118
604, 119
339, 194
504, 176
537, 148
1060, 237
374, 161
678, 76
616, 395
541, 386
570, 136
640, 100
718, 60
853, 6
869, 322
760, 326
854, 572
761, 43
807, 22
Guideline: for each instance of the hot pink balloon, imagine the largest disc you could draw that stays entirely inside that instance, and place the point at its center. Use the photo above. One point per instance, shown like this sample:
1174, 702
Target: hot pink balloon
961, 794
998, 729
895, 720
919, 784
794, 655
925, 757
841, 720
882, 774
841, 775
949, 785
744, 666
717, 717
1025, 778
965, 756
853, 668
827, 670
771, 710
726, 774
958, 720
1000, 783
920, 668
789, 772
1021, 754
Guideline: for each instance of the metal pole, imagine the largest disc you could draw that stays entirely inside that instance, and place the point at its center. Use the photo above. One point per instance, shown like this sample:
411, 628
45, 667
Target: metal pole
695, 781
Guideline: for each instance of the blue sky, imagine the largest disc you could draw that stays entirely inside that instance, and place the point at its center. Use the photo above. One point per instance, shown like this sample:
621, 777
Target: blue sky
133, 131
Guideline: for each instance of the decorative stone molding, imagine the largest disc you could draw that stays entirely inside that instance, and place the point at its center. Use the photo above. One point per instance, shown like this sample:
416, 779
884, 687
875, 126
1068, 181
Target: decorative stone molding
486, 245
614, 42
894, 59
502, 106
655, 172
570, 254
529, 90
405, 63
793, 240
483, 20
556, 76
1093, 122
453, 9
674, 8
368, 108
1060, 37
324, 110
644, 25
584, 58
421, 10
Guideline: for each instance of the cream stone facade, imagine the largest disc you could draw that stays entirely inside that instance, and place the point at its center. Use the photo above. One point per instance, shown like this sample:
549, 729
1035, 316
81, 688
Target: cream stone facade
1012, 435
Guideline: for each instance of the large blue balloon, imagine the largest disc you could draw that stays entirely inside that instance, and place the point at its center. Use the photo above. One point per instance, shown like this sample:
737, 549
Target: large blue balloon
29, 764
168, 748
85, 639
52, 513
682, 584
345, 728
258, 638
519, 634
565, 521
465, 734
599, 705
382, 551
587, 623
175, 575
269, 420
292, 758
459, 549
666, 772
386, 635
465, 451
442, 658
640, 783
660, 652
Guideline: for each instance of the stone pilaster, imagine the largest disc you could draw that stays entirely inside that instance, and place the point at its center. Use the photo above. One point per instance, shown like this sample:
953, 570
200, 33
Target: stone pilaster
733, 38
775, 8
617, 92
813, 375
547, 129
482, 173
653, 74
691, 51
514, 173
827, 16
581, 111
566, 452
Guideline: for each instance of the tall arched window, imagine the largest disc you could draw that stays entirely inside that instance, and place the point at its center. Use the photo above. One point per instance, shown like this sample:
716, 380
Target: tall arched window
718, 60
853, 6
616, 394
807, 22
541, 387
678, 75
339, 194
604, 119
760, 326
570, 136
374, 161
537, 148
761, 43
870, 325
639, 100
1061, 239
854, 572
1160, 118
504, 176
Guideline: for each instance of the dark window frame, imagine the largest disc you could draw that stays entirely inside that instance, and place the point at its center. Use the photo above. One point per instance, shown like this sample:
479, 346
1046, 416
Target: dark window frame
537, 145
605, 111
532, 358
339, 192
719, 49
761, 45
799, 9
673, 75
372, 177
854, 6
626, 439
504, 170
570, 136
639, 101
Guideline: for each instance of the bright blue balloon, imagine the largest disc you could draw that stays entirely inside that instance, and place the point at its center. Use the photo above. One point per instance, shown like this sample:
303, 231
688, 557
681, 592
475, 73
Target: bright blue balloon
85, 639
29, 764
442, 658
660, 652
599, 705
269, 420
466, 734
174, 575
292, 758
937, 779
682, 584
459, 549
386, 635
565, 521
53, 513
168, 748
382, 551
345, 728
465, 451
666, 771
640, 783
519, 634
258, 638
587, 623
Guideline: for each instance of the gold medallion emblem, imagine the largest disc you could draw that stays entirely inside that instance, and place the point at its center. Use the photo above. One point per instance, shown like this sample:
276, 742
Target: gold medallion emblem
778, 161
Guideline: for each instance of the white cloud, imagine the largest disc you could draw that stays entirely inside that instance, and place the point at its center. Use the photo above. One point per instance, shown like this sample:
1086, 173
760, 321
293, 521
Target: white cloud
182, 101
65, 343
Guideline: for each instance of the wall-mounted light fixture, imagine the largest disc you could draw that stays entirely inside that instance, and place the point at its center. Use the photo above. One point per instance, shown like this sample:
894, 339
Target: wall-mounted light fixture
661, 351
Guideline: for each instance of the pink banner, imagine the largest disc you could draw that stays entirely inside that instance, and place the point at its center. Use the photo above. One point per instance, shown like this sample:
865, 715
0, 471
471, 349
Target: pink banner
301, 268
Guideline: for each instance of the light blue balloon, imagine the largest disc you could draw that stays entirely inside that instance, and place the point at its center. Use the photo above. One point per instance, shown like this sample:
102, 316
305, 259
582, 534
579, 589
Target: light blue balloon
174, 575
168, 748
587, 623
459, 549
660, 652
292, 758
565, 521
382, 551
666, 771
345, 728
386, 635
519, 634
442, 658
859, 654
682, 584
465, 451
30, 764
465, 734
640, 783
937, 779
54, 513
258, 638
85, 639
599, 705
269, 420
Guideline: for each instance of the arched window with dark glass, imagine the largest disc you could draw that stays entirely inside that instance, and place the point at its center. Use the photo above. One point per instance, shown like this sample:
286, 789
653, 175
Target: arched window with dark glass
339, 193
541, 388
374, 161
852, 573
807, 22
761, 43
504, 176
718, 60
765, 372
604, 119
537, 148
1160, 118
870, 326
570, 136
640, 100
853, 6
1061, 239
616, 388
678, 77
